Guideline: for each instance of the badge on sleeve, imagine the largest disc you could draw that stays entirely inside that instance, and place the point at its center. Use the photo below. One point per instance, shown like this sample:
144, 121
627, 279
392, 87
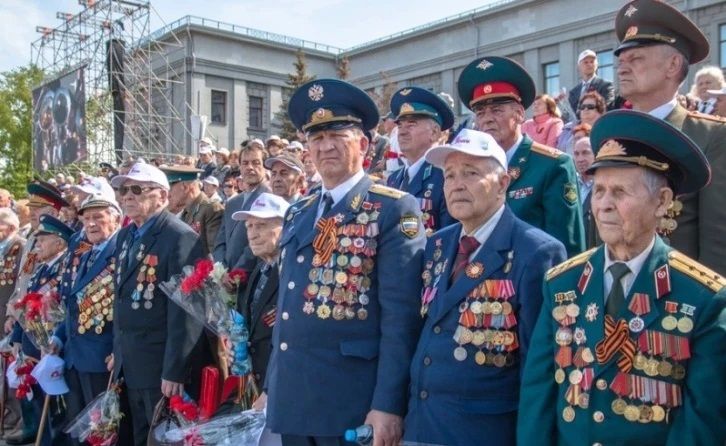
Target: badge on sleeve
570, 193
409, 225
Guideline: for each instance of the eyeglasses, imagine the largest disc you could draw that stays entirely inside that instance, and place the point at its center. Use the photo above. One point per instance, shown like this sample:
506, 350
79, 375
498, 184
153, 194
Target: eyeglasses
588, 107
135, 189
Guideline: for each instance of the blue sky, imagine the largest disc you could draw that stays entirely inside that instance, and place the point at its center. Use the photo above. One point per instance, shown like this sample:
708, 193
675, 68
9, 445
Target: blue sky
341, 23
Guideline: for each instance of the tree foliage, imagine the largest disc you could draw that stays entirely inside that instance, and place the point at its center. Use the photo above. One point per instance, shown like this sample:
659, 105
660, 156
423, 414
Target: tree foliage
16, 127
294, 80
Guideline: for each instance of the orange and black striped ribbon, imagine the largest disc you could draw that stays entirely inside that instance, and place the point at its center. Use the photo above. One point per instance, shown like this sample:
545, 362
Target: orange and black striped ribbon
617, 339
325, 241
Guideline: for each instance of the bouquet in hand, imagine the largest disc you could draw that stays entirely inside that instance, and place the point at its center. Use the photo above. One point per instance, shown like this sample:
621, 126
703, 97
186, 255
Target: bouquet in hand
98, 423
39, 315
238, 429
200, 291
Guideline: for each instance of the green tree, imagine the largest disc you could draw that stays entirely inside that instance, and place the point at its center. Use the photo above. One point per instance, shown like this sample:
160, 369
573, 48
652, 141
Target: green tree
294, 80
16, 127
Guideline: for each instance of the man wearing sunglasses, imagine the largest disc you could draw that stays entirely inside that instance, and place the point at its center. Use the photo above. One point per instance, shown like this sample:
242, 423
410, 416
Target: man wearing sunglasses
153, 338
543, 190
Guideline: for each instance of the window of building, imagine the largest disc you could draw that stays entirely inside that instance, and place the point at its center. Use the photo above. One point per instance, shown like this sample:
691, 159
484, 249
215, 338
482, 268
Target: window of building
605, 65
219, 107
256, 110
552, 78
722, 45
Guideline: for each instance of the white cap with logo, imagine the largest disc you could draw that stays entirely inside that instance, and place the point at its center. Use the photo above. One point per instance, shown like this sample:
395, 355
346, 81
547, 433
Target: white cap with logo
267, 205
49, 374
211, 180
470, 142
146, 173
585, 54
95, 186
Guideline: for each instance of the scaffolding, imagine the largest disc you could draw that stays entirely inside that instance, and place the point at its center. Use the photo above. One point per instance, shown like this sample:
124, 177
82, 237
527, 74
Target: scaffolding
131, 87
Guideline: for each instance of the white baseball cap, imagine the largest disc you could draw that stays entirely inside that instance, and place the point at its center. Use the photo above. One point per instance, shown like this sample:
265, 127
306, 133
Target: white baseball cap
586, 53
95, 186
470, 142
99, 201
266, 205
224, 151
211, 180
49, 374
143, 172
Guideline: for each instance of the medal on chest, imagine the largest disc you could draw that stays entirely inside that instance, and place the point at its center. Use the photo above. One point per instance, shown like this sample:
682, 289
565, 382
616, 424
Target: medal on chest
95, 302
145, 283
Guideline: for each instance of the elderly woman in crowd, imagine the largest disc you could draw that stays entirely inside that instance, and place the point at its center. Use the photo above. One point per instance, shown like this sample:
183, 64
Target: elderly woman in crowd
546, 125
590, 108
707, 78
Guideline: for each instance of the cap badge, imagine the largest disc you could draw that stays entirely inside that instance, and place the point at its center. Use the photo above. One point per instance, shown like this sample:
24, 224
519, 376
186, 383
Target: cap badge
406, 91
484, 64
487, 89
630, 11
315, 92
631, 32
611, 148
321, 114
406, 108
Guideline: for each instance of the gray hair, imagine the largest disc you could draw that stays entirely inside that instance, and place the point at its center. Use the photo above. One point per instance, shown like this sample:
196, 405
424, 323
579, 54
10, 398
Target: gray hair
10, 218
654, 181
713, 71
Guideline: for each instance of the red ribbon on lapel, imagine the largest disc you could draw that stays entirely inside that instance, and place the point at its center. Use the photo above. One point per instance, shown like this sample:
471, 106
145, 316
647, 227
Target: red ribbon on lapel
617, 339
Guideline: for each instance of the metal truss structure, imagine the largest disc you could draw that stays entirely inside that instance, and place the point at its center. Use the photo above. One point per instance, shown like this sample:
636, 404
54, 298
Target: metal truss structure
130, 85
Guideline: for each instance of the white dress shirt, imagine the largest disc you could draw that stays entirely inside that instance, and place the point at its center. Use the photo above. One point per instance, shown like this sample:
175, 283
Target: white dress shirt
338, 192
635, 265
482, 233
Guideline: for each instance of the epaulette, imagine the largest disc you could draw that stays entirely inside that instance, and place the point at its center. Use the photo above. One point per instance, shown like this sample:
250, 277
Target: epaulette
550, 152
386, 191
376, 179
699, 115
695, 270
303, 203
569, 264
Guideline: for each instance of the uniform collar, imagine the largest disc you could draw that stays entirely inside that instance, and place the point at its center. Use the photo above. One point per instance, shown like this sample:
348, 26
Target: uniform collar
510, 152
664, 110
415, 167
339, 191
483, 232
635, 265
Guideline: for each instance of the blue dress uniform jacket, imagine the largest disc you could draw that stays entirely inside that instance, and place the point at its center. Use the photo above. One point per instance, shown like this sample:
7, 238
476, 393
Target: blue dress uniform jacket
154, 343
456, 401
326, 373
87, 352
685, 379
428, 188
543, 193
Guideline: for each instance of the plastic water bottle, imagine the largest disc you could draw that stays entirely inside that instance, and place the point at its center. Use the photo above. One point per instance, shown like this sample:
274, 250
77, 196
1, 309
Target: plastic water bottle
362, 435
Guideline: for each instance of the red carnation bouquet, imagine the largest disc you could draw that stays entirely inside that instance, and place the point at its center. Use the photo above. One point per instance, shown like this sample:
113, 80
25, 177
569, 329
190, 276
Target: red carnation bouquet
98, 423
39, 314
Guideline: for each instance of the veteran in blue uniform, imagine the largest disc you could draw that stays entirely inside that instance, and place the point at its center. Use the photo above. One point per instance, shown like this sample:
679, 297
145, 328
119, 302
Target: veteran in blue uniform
543, 191
347, 310
630, 346
481, 297
152, 337
421, 116
86, 336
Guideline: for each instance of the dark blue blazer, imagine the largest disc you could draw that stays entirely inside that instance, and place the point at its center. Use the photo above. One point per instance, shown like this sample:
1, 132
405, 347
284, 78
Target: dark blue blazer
428, 178
152, 344
460, 402
86, 352
331, 373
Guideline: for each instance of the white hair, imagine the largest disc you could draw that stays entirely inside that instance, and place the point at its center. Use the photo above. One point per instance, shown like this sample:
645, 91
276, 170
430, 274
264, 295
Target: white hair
10, 218
712, 71
654, 181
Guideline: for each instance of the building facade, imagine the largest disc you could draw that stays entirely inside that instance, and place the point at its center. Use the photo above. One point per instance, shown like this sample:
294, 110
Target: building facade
236, 76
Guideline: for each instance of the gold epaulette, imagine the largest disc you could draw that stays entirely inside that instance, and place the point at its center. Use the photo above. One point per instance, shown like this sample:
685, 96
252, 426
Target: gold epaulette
695, 270
546, 150
569, 264
714, 118
386, 191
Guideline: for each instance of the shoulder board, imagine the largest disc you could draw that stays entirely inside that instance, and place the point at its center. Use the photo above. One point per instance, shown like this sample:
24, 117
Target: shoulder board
376, 179
569, 264
303, 203
386, 191
550, 152
698, 115
696, 271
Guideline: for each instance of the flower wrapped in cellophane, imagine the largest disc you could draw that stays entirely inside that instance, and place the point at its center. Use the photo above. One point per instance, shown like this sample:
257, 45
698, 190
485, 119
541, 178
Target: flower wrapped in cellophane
39, 314
235, 429
98, 423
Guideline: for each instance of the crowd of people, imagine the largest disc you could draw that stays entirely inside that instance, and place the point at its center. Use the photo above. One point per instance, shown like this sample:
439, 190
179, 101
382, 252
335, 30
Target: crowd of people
502, 281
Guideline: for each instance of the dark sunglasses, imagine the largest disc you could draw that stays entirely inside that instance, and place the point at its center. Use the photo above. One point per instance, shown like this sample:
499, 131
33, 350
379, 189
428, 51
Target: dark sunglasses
588, 107
135, 189
227, 186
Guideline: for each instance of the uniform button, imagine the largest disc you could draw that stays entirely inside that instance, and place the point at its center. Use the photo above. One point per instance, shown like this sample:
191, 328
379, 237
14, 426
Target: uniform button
300, 259
601, 384
437, 329
290, 285
283, 346
598, 416
285, 316
427, 361
423, 394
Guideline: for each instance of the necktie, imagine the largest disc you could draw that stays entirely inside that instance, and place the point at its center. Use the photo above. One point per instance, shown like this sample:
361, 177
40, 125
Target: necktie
467, 245
404, 181
616, 297
257, 294
327, 203
133, 245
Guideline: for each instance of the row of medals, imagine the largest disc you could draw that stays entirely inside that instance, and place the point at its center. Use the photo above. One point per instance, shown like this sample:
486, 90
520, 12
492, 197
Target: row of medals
146, 274
6, 276
496, 338
96, 305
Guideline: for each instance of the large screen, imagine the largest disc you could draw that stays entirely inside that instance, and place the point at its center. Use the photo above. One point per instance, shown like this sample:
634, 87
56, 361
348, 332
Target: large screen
59, 122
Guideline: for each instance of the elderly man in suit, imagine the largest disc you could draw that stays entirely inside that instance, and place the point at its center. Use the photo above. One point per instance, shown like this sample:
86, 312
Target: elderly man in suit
347, 312
589, 81
152, 337
658, 43
481, 297
231, 247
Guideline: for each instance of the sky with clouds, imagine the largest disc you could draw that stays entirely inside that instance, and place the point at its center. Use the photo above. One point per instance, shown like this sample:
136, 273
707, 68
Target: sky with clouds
341, 23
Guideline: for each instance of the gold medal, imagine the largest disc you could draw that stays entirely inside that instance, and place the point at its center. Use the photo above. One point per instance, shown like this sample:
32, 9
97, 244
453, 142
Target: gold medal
341, 278
568, 414
559, 376
496, 308
669, 322
323, 311
639, 361
486, 308
342, 261
81, 329
559, 312
575, 376
597, 416
587, 355
475, 307
658, 413
651, 367
601, 384
685, 324
678, 372
508, 338
584, 401
646, 414
362, 314
338, 312
466, 336
618, 406
98, 329
632, 413
478, 338
312, 289
480, 357
664, 368
506, 308
572, 310
500, 360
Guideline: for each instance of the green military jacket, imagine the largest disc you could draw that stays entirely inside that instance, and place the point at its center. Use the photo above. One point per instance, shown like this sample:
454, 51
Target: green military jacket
543, 192
700, 231
205, 217
658, 379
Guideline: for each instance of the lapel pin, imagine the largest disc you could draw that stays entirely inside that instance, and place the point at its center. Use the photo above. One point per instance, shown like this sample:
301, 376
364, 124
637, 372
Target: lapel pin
474, 270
